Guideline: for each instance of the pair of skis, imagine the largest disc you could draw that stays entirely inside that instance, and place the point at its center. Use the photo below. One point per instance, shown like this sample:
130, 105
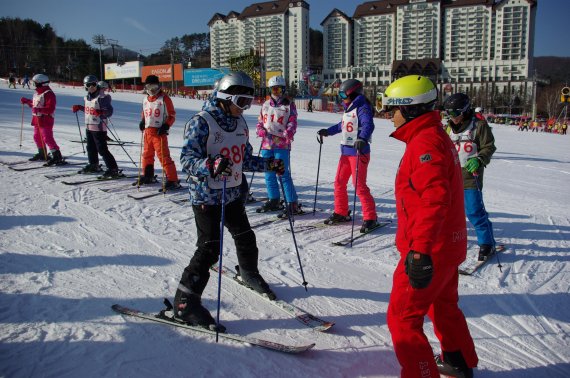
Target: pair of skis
470, 269
307, 319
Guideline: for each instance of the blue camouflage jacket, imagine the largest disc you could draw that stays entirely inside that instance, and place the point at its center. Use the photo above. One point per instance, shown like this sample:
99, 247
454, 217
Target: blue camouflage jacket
194, 157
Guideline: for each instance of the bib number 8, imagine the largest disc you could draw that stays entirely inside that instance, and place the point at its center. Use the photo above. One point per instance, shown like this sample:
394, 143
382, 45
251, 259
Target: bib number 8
234, 153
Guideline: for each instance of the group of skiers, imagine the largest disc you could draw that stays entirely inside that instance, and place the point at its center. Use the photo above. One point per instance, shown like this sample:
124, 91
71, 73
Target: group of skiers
550, 126
439, 181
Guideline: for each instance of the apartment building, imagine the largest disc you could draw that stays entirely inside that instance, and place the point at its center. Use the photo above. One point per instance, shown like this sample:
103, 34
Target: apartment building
279, 30
460, 44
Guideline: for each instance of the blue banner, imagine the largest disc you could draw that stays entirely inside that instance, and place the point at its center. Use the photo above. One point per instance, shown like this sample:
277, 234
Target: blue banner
198, 77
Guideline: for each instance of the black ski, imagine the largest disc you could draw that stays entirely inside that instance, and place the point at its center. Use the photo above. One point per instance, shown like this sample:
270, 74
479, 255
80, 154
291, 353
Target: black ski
165, 318
346, 241
109, 142
145, 195
97, 179
299, 314
29, 168
469, 270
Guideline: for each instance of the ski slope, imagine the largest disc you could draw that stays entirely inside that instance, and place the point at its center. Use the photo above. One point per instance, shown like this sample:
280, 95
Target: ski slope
67, 253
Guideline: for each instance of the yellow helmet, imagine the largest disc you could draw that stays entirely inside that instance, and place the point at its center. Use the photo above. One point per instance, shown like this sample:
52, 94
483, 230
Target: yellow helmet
414, 95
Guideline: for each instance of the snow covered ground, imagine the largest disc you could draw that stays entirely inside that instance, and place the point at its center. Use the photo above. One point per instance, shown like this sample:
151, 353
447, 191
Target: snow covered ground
67, 253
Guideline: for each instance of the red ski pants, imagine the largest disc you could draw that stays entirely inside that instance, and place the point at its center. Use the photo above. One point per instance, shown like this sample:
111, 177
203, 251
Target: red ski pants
154, 143
346, 169
438, 301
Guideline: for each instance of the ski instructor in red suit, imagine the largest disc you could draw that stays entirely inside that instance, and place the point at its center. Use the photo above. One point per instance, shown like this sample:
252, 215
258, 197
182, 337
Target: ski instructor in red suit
431, 235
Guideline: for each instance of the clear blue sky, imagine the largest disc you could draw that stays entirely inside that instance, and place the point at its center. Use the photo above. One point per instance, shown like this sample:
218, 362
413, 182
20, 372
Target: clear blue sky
144, 25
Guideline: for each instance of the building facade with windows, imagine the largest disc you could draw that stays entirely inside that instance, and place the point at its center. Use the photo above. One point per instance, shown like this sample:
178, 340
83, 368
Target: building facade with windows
460, 44
277, 30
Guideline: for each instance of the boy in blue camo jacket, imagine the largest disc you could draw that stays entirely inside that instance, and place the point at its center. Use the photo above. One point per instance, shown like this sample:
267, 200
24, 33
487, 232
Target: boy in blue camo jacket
216, 149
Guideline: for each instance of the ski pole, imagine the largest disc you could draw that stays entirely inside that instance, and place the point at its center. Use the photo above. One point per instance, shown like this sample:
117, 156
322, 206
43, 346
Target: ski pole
80, 136
290, 217
162, 163
115, 134
320, 140
22, 127
220, 264
489, 229
253, 174
354, 199
119, 142
140, 167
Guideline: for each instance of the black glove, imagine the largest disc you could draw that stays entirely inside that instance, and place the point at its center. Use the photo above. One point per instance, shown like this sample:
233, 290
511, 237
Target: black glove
360, 144
419, 269
220, 165
277, 166
323, 132
163, 129
141, 125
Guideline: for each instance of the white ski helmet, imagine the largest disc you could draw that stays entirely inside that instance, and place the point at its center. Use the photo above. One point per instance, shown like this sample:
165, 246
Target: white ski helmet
478, 110
40, 80
277, 81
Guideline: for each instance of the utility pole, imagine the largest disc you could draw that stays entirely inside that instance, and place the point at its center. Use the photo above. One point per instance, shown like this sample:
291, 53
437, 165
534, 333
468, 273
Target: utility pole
100, 40
172, 69
534, 96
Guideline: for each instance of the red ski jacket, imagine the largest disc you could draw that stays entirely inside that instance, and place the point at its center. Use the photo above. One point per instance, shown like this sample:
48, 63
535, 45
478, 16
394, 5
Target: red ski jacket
429, 193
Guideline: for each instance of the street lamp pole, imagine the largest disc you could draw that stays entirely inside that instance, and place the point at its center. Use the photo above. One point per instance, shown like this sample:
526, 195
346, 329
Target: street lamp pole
99, 39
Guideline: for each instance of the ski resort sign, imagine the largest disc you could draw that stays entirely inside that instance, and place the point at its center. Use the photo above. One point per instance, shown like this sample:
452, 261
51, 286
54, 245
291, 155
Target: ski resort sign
199, 77
126, 71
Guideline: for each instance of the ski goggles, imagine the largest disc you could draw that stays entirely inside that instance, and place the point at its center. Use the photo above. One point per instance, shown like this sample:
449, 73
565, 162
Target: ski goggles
454, 113
92, 84
277, 90
151, 87
343, 95
242, 101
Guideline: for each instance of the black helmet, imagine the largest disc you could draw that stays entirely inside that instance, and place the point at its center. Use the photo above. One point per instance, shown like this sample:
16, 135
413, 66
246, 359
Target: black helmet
152, 79
350, 89
456, 105
89, 81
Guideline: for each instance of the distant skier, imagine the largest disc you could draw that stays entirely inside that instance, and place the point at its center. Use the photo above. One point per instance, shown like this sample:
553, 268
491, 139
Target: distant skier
216, 148
431, 235
97, 110
26, 82
475, 144
43, 107
158, 116
276, 126
356, 127
310, 105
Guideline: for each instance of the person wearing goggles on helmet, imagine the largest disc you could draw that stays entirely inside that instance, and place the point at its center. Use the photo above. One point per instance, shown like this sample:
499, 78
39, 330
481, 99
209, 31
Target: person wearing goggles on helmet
475, 143
431, 236
97, 108
158, 115
215, 151
356, 126
43, 106
276, 126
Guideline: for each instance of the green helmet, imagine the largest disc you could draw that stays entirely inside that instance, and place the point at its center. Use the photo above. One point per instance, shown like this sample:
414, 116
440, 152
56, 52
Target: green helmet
414, 95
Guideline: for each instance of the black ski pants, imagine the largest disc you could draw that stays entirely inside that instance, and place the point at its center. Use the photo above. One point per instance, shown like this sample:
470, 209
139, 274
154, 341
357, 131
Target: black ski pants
97, 144
208, 218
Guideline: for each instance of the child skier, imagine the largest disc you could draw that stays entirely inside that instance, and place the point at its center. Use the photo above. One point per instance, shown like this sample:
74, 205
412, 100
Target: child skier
356, 127
475, 144
276, 126
43, 107
97, 110
216, 149
158, 116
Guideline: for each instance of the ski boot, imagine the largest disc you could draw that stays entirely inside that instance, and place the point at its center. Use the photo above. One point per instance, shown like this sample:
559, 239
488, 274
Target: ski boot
368, 225
188, 308
90, 168
148, 178
485, 251
112, 174
337, 218
41, 155
172, 185
55, 159
254, 281
453, 364
294, 209
270, 205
